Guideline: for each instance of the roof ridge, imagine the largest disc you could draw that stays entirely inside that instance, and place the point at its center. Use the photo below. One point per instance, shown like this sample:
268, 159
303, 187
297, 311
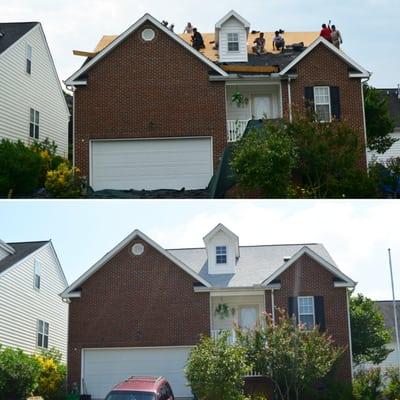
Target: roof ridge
29, 241
253, 245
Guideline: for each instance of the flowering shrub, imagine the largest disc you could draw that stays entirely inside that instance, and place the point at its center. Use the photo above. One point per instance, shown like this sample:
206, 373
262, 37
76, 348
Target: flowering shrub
64, 181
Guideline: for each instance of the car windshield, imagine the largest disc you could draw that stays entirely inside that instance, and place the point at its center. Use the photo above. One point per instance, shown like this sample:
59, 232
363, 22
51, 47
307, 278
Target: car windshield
131, 396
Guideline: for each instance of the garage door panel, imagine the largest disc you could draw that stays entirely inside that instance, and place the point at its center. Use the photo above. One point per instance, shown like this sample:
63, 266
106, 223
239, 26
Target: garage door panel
102, 369
151, 164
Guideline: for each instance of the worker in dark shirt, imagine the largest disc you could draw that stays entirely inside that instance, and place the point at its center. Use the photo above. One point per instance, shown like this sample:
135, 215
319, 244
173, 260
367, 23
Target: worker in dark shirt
197, 40
326, 32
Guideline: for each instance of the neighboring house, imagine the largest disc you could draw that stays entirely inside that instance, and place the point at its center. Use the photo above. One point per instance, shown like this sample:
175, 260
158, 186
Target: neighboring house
33, 316
32, 101
151, 112
393, 100
140, 309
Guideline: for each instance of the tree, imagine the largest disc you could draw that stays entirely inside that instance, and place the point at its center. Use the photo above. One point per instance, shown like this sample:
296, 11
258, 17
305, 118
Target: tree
264, 159
368, 333
215, 369
291, 356
379, 123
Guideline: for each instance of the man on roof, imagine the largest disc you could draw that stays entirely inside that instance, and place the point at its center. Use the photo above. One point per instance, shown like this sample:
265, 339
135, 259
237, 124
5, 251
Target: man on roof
326, 32
259, 44
197, 40
278, 43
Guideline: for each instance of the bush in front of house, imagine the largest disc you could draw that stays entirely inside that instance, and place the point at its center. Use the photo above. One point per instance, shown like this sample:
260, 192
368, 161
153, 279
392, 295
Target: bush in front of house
367, 384
19, 374
64, 181
215, 369
392, 384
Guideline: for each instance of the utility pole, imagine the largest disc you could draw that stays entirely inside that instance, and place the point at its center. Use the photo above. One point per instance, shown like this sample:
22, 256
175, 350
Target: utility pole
396, 327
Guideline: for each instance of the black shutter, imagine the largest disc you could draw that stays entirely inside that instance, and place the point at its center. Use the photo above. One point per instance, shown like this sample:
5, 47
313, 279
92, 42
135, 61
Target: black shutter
335, 102
309, 99
292, 309
319, 312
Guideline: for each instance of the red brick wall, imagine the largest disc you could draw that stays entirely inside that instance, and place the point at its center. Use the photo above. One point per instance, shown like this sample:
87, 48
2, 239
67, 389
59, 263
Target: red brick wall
135, 301
149, 89
321, 67
307, 278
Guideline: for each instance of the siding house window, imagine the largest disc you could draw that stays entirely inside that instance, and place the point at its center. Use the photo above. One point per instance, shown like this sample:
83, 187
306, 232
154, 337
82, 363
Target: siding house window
34, 124
233, 42
221, 254
37, 273
306, 311
28, 59
43, 334
322, 103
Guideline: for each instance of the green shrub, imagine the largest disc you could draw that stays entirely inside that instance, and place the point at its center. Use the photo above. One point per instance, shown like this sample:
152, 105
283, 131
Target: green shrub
392, 384
367, 384
20, 169
215, 369
19, 374
64, 181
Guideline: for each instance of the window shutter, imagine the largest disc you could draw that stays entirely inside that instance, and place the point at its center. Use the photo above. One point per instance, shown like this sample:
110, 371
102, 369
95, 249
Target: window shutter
335, 102
319, 312
293, 308
309, 98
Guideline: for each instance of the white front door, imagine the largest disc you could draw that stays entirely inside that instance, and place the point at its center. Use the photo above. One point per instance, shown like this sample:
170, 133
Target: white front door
248, 317
261, 107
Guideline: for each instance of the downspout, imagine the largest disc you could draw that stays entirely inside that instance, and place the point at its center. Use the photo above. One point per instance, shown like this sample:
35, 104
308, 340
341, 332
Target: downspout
349, 326
290, 98
364, 119
273, 306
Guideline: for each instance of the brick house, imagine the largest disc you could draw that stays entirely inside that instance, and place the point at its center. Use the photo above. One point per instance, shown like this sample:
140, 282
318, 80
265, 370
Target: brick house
140, 309
152, 112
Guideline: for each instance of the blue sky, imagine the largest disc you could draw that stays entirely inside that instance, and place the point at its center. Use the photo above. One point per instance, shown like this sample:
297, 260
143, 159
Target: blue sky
370, 28
356, 233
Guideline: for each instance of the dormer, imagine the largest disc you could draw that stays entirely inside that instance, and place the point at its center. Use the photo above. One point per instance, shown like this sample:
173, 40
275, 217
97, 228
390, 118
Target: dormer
222, 247
5, 250
231, 33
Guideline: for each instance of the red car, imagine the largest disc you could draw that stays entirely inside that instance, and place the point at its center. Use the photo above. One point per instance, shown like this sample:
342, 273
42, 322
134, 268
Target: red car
142, 388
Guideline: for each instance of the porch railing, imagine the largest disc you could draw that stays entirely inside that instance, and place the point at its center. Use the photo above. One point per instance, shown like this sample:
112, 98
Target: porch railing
236, 128
215, 333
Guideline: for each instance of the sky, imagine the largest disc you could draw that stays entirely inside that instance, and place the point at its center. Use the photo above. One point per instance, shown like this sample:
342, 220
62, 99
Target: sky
357, 234
370, 28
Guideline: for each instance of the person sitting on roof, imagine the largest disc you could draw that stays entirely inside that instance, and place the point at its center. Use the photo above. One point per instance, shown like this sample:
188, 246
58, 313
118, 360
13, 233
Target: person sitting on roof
259, 44
171, 27
278, 42
197, 40
326, 32
336, 37
188, 28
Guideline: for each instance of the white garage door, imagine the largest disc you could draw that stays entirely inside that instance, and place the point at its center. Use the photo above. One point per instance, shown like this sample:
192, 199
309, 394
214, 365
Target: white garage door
151, 164
102, 369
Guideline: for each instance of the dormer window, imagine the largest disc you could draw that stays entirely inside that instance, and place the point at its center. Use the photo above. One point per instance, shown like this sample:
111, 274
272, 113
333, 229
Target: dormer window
220, 254
233, 41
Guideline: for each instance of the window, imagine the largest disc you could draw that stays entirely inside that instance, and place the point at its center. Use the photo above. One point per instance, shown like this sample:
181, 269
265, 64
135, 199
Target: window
322, 103
28, 59
233, 42
221, 254
36, 279
34, 124
43, 334
306, 311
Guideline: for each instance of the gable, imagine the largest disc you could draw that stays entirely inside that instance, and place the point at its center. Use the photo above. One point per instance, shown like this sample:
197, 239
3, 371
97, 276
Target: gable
12, 32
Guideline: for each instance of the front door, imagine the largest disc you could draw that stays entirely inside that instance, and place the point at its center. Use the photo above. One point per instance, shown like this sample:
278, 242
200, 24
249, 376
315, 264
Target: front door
248, 317
261, 107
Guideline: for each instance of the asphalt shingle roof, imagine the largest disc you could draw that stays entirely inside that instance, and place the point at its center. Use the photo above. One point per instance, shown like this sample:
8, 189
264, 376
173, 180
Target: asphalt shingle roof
393, 99
255, 264
22, 249
386, 308
11, 32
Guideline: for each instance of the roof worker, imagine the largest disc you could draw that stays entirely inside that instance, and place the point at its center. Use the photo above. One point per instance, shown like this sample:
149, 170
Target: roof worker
326, 32
197, 40
171, 27
336, 37
188, 28
278, 42
259, 44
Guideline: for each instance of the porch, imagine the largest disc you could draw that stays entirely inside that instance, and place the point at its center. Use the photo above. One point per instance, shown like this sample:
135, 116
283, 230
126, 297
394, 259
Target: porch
251, 101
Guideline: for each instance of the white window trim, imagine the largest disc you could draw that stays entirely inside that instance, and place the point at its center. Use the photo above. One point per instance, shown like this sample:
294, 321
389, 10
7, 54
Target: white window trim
35, 123
28, 58
42, 333
221, 254
323, 104
298, 308
233, 41
37, 267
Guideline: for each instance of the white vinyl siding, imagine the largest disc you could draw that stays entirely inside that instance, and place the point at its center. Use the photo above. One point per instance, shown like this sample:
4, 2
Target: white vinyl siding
394, 151
151, 164
104, 368
306, 311
233, 29
322, 103
41, 91
21, 306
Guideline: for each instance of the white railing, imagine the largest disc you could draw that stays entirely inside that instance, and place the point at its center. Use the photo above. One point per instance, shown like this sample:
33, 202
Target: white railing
215, 333
236, 128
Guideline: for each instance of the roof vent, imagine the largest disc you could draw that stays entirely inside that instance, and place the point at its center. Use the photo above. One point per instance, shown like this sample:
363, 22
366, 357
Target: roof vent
137, 249
287, 258
2, 34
